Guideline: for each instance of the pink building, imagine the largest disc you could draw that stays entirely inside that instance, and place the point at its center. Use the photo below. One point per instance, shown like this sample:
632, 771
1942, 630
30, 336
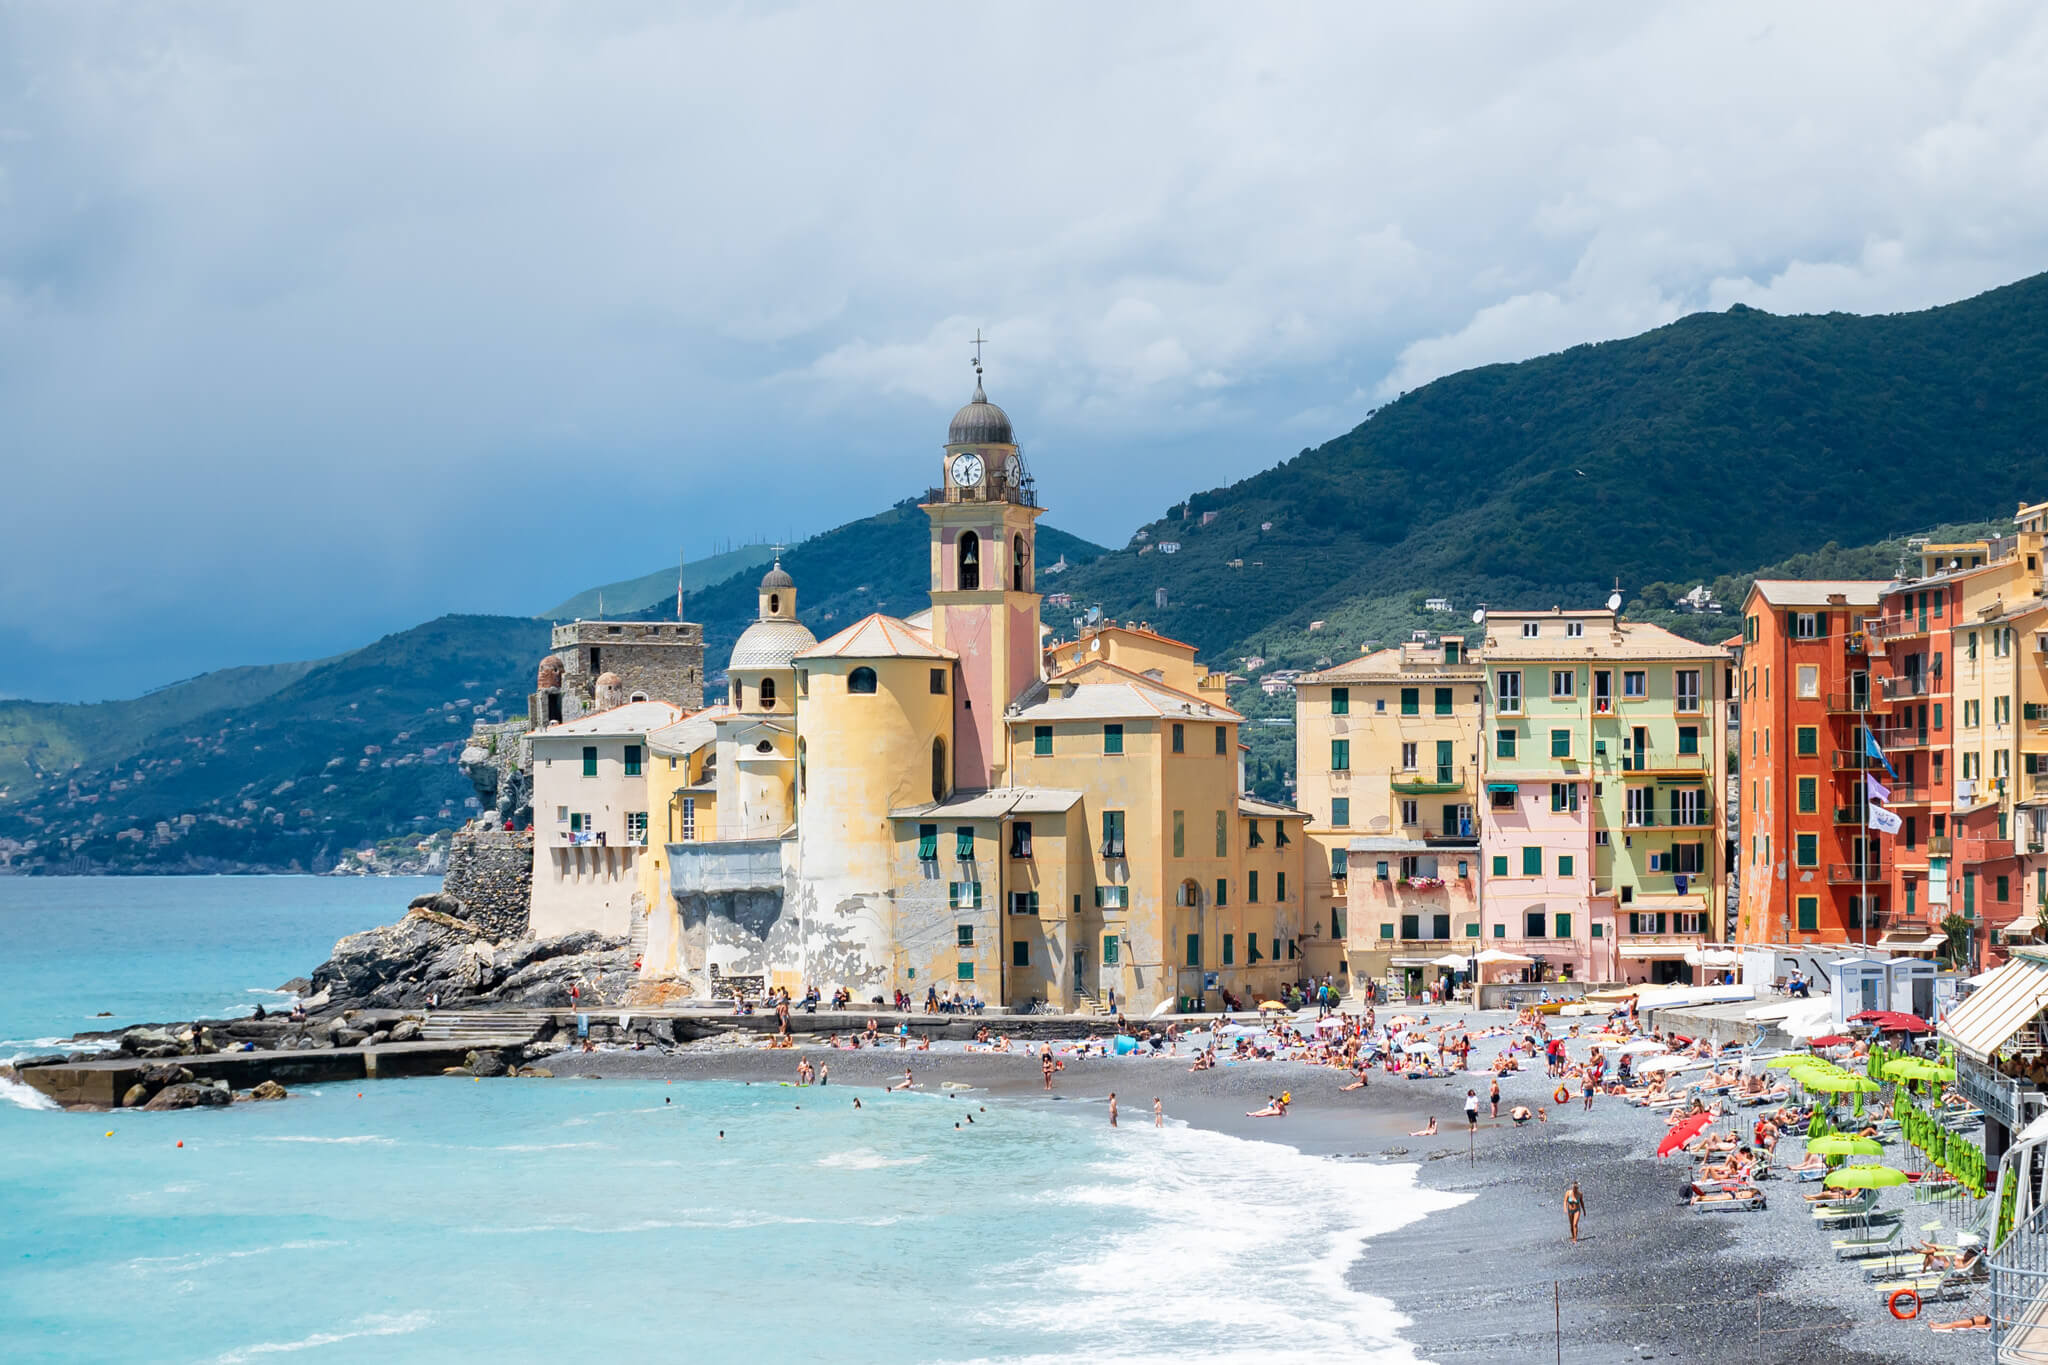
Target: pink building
1537, 843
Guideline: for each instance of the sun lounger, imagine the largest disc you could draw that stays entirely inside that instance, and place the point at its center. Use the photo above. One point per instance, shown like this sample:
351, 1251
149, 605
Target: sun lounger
1954, 1284
1742, 1199
1866, 1214
1868, 1244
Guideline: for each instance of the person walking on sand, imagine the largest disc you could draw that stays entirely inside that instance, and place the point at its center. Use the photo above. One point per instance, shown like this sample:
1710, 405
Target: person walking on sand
1472, 1110
1574, 1208
1586, 1087
1045, 1064
1493, 1094
1112, 1108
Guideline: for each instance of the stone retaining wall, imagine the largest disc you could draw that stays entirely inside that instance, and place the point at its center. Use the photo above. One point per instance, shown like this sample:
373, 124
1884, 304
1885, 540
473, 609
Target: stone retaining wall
491, 872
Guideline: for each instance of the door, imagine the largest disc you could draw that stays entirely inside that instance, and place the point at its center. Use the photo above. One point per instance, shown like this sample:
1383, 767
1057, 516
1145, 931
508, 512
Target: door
1867, 1000
1859, 691
1080, 969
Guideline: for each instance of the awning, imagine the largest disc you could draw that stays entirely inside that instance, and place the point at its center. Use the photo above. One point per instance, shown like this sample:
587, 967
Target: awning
1508, 787
1911, 943
1412, 961
1672, 952
1987, 1020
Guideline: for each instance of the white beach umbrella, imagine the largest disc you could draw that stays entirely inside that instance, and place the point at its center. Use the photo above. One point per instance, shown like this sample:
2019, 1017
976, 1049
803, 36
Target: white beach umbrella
1501, 956
1640, 1046
1673, 1063
1449, 960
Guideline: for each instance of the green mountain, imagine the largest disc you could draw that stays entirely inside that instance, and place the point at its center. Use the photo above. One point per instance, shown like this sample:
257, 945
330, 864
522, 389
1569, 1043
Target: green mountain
1723, 441
651, 591
43, 741
357, 749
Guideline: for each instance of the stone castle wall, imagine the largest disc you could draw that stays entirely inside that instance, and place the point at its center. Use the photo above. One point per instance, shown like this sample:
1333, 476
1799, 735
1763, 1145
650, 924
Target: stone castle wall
491, 872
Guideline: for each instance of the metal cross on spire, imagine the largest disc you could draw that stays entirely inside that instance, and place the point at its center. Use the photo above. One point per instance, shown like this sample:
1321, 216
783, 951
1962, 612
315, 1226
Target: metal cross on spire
979, 341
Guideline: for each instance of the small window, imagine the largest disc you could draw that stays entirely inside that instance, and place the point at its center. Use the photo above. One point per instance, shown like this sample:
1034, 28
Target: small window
590, 760
1809, 914
1230, 950
1222, 741
1504, 744
1532, 861
1020, 839
1340, 705
938, 682
1808, 743
1688, 739
1340, 811
1564, 926
1809, 795
1041, 740
1251, 888
1560, 744
1112, 739
1575, 629
1020, 953
1194, 958
1222, 892
1500, 864
1340, 755
1411, 701
963, 843
861, 682
767, 694
1508, 689
1808, 851
1530, 630
1634, 684
1381, 870
1443, 701
965, 972
1564, 864
1109, 949
632, 760
1180, 738
939, 770
966, 935
1563, 683
927, 843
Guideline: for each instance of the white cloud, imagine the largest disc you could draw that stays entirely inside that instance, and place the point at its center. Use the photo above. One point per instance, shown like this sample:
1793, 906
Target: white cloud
282, 287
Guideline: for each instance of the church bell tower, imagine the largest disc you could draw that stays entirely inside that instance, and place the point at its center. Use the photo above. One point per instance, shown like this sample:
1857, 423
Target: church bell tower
984, 516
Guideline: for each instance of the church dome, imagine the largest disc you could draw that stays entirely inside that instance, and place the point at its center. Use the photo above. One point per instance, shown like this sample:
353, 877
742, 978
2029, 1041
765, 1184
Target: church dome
980, 422
777, 577
770, 644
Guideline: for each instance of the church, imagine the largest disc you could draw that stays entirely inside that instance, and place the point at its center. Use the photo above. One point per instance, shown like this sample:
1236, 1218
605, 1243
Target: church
951, 802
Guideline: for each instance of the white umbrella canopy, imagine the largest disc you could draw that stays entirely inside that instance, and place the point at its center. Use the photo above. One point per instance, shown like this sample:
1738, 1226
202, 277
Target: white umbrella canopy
1672, 1064
1449, 960
1640, 1045
1493, 956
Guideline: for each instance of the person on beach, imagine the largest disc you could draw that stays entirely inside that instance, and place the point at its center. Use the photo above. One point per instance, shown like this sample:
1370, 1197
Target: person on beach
1586, 1087
1276, 1108
1158, 1113
1427, 1130
1472, 1110
1493, 1094
908, 1081
1112, 1108
1045, 1064
825, 1073
1574, 1208
1520, 1114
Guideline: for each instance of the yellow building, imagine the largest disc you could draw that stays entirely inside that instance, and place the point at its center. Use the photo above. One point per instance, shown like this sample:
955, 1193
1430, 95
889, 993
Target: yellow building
945, 805
1387, 764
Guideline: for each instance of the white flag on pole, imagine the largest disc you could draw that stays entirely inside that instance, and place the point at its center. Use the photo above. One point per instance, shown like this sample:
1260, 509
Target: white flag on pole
1883, 821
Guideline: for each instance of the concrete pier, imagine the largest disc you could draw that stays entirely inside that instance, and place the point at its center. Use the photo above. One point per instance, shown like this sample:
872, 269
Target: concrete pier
103, 1082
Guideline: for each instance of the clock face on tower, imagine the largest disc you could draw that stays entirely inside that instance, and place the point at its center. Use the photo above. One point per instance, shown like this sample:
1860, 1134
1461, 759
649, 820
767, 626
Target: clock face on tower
1013, 469
966, 469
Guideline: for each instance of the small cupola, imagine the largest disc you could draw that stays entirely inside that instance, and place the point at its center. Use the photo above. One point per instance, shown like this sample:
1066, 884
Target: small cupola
778, 594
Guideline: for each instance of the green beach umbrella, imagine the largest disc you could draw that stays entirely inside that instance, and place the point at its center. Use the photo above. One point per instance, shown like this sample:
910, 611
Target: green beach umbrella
1865, 1178
1841, 1144
1789, 1060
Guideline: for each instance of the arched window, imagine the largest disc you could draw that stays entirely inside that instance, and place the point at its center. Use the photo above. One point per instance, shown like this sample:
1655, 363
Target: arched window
739, 694
1190, 894
774, 603
1017, 564
861, 680
939, 773
803, 770
767, 694
970, 561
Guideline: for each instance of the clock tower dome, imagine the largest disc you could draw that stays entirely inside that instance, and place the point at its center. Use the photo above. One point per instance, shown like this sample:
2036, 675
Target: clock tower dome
984, 516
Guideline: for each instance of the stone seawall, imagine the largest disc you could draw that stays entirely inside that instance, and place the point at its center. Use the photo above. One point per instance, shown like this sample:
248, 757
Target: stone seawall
491, 872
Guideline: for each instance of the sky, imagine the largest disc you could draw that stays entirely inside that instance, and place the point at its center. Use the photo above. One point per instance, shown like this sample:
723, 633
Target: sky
320, 321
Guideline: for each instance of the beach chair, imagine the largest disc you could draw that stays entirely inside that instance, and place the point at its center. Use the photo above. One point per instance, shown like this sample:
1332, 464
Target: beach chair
1738, 1199
1870, 1243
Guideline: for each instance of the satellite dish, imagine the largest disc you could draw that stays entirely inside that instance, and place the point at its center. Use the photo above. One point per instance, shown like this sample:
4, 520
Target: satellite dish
1094, 615
1614, 601
1479, 617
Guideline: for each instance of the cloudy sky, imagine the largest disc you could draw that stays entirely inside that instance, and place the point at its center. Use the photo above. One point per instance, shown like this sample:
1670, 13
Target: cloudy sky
317, 321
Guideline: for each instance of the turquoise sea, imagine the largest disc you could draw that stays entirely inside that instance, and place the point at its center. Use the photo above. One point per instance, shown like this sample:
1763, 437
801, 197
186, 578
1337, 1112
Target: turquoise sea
444, 1219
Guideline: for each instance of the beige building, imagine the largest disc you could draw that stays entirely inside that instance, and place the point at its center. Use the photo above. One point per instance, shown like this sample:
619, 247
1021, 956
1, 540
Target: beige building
1387, 763
591, 820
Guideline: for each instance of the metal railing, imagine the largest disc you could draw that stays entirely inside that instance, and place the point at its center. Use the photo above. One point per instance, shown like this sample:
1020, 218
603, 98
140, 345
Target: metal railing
1841, 873
1903, 685
2019, 1292
1856, 703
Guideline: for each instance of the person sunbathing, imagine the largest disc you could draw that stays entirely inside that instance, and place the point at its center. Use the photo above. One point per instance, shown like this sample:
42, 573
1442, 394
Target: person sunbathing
1741, 1194
1979, 1323
1960, 1261
1276, 1108
1428, 1130
1736, 1167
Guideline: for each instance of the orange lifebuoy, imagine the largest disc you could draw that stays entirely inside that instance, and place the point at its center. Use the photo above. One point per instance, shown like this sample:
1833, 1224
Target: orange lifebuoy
1561, 1095
1905, 1304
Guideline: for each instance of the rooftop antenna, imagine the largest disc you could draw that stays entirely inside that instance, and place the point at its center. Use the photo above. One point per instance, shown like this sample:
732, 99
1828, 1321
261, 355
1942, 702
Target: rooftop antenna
682, 556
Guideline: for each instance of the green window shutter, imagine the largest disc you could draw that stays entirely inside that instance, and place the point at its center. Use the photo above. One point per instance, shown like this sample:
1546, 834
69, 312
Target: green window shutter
963, 843
1472, 931
1340, 705
1809, 795
633, 758
1386, 931
1443, 701
1809, 850
1020, 953
1809, 741
1194, 950
1560, 744
1411, 701
1504, 744
1564, 864
966, 971
1222, 834
1112, 739
1532, 861
1937, 715
1180, 738
1339, 861
1340, 755
1564, 926
1041, 740
1340, 810
927, 842
1222, 892
1280, 894
1500, 931
1688, 739
590, 760
1109, 950
1500, 864
1230, 950
1969, 894
1809, 914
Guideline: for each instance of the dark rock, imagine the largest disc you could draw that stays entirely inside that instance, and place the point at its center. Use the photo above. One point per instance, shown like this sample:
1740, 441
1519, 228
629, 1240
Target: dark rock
394, 952
186, 1096
163, 1074
440, 903
533, 1071
50, 1059
136, 1096
405, 1031
298, 985
485, 1064
268, 1090
347, 1037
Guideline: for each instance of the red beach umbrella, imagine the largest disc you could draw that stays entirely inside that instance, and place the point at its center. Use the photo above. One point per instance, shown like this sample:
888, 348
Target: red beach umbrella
1891, 1021
1685, 1131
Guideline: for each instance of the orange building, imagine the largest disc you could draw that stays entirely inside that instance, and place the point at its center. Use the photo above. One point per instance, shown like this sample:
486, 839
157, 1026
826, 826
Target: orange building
1810, 872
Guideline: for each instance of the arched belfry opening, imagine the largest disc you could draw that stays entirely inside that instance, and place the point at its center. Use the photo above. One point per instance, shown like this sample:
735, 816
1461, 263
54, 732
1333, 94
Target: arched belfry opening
970, 561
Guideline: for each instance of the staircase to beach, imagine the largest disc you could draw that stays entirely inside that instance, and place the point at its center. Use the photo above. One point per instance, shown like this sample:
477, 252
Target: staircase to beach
493, 1028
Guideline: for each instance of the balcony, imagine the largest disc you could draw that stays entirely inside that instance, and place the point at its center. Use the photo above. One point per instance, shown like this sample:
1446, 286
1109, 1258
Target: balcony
1856, 703
1910, 794
1429, 781
1899, 627
1903, 687
1843, 874
1632, 762
1973, 851
1901, 737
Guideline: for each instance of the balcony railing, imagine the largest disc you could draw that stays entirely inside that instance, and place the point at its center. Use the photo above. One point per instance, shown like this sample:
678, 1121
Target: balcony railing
1634, 762
1856, 703
1899, 627
1972, 851
1938, 845
1844, 873
1904, 685
1901, 737
1426, 781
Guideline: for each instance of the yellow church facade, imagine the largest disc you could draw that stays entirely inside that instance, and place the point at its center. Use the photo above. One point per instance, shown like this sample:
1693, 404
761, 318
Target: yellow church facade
948, 804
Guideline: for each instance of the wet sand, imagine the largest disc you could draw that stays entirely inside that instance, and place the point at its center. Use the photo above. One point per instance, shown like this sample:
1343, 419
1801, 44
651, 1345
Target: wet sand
1496, 1278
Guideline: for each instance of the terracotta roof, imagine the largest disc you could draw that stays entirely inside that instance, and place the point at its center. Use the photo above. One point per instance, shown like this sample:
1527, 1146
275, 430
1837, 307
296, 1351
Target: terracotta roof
1102, 691
993, 804
1385, 665
1815, 592
878, 637
634, 718
1251, 805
